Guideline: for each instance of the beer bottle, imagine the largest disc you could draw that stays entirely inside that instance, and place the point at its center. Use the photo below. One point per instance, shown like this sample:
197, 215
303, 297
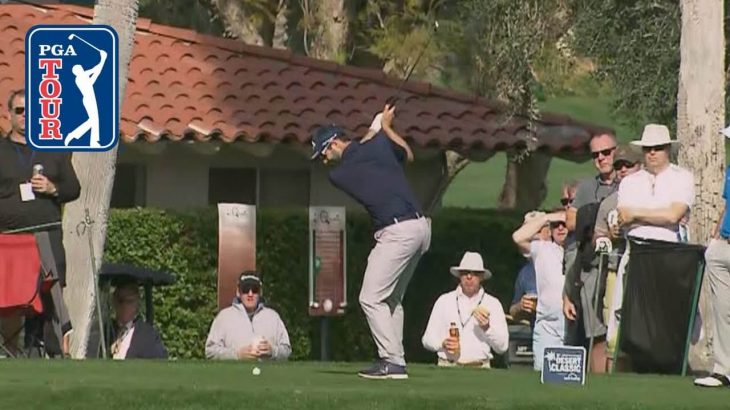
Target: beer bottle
454, 332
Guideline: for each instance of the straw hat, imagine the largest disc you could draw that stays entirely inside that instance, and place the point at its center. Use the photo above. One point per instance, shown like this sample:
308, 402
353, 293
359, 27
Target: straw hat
654, 135
472, 262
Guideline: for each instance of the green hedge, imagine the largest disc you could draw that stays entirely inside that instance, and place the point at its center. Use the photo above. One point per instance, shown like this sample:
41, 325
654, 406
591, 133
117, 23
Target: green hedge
186, 244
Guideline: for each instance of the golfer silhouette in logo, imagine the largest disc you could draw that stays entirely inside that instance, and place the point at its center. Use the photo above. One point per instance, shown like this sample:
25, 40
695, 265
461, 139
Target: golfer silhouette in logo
85, 80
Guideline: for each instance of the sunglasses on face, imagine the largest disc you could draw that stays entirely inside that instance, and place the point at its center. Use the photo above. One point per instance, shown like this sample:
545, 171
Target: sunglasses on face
619, 165
654, 149
18, 110
566, 201
467, 272
555, 225
606, 152
250, 288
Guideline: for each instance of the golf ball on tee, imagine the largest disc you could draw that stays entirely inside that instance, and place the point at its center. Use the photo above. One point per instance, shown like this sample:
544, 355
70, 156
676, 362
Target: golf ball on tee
327, 305
256, 371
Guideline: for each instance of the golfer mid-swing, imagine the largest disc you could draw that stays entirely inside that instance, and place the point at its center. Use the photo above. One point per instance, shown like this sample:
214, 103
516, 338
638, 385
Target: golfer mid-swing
370, 170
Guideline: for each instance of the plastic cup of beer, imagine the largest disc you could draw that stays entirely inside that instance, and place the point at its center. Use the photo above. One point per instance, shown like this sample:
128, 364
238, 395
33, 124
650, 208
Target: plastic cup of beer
533, 297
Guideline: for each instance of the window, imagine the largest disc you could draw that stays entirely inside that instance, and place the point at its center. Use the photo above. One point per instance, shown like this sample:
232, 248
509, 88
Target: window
284, 187
129, 186
233, 185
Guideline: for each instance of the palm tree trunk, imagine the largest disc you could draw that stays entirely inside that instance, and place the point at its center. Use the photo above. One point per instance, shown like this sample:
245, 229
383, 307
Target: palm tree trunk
700, 116
96, 175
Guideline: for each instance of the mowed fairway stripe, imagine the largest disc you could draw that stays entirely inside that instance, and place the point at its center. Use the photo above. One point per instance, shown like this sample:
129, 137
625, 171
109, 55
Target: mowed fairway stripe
211, 385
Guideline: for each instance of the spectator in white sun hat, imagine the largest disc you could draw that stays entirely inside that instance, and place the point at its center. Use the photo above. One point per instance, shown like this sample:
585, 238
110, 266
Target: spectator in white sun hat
717, 271
651, 203
478, 316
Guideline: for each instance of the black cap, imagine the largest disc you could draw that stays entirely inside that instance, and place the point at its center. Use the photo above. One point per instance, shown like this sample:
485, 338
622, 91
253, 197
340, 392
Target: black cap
322, 138
249, 277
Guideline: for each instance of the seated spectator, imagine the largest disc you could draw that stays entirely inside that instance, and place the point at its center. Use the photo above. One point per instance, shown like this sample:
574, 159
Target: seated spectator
524, 301
247, 330
132, 337
547, 255
477, 315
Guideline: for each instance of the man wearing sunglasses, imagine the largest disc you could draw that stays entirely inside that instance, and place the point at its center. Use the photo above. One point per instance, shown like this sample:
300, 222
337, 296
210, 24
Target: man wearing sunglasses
371, 171
477, 315
651, 203
594, 189
547, 255
627, 161
248, 330
581, 266
34, 185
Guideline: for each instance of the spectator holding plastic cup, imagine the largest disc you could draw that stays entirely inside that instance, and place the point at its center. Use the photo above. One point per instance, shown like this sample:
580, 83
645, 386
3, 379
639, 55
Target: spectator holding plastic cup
248, 330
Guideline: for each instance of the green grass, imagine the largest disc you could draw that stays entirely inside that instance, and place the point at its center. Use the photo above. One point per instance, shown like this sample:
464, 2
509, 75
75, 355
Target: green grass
215, 385
479, 184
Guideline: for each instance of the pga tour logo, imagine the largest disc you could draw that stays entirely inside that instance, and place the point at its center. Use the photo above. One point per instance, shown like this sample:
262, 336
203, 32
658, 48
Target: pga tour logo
72, 87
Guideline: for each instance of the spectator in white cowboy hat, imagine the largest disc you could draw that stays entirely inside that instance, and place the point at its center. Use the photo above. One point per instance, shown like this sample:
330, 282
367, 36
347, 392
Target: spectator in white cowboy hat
651, 203
547, 255
717, 270
477, 315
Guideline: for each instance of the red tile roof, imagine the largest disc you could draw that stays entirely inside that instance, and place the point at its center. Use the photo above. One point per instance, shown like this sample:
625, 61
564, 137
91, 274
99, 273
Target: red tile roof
187, 85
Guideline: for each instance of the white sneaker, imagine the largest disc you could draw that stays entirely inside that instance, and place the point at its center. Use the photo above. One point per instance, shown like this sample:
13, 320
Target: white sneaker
713, 380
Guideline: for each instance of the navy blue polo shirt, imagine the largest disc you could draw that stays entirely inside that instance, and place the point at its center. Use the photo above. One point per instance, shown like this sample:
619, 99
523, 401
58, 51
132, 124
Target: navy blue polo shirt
725, 227
372, 174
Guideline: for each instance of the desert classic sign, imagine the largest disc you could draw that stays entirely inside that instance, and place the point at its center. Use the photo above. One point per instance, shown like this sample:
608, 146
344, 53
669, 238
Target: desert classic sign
72, 87
565, 364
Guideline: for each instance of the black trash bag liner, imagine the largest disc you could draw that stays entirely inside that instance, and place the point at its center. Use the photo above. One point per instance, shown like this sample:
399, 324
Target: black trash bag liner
657, 304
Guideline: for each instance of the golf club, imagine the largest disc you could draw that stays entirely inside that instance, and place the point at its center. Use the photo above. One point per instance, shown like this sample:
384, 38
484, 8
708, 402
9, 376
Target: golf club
72, 36
395, 98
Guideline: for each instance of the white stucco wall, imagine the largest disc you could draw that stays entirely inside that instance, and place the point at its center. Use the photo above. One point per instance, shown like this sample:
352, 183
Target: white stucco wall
177, 176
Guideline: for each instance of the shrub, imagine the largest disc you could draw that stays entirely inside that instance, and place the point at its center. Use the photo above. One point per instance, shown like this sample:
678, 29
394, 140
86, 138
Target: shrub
186, 244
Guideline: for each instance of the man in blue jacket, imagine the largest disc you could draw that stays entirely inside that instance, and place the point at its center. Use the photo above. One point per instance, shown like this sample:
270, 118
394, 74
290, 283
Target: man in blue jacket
717, 270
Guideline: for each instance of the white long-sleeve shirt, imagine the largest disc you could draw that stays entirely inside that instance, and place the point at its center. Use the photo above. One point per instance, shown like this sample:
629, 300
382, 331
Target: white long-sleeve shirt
475, 343
232, 329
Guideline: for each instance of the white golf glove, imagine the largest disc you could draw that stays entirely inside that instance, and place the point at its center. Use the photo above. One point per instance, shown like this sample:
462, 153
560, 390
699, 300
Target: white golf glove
612, 218
603, 245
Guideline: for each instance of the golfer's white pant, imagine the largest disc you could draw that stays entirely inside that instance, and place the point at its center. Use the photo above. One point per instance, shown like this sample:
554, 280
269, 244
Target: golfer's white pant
390, 267
547, 333
617, 298
717, 260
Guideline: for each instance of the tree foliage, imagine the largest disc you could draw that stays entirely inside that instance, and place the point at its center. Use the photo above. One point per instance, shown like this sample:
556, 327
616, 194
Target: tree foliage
636, 47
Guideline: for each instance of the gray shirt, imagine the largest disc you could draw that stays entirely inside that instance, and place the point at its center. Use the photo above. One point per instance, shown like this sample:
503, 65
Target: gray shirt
232, 329
608, 205
593, 190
